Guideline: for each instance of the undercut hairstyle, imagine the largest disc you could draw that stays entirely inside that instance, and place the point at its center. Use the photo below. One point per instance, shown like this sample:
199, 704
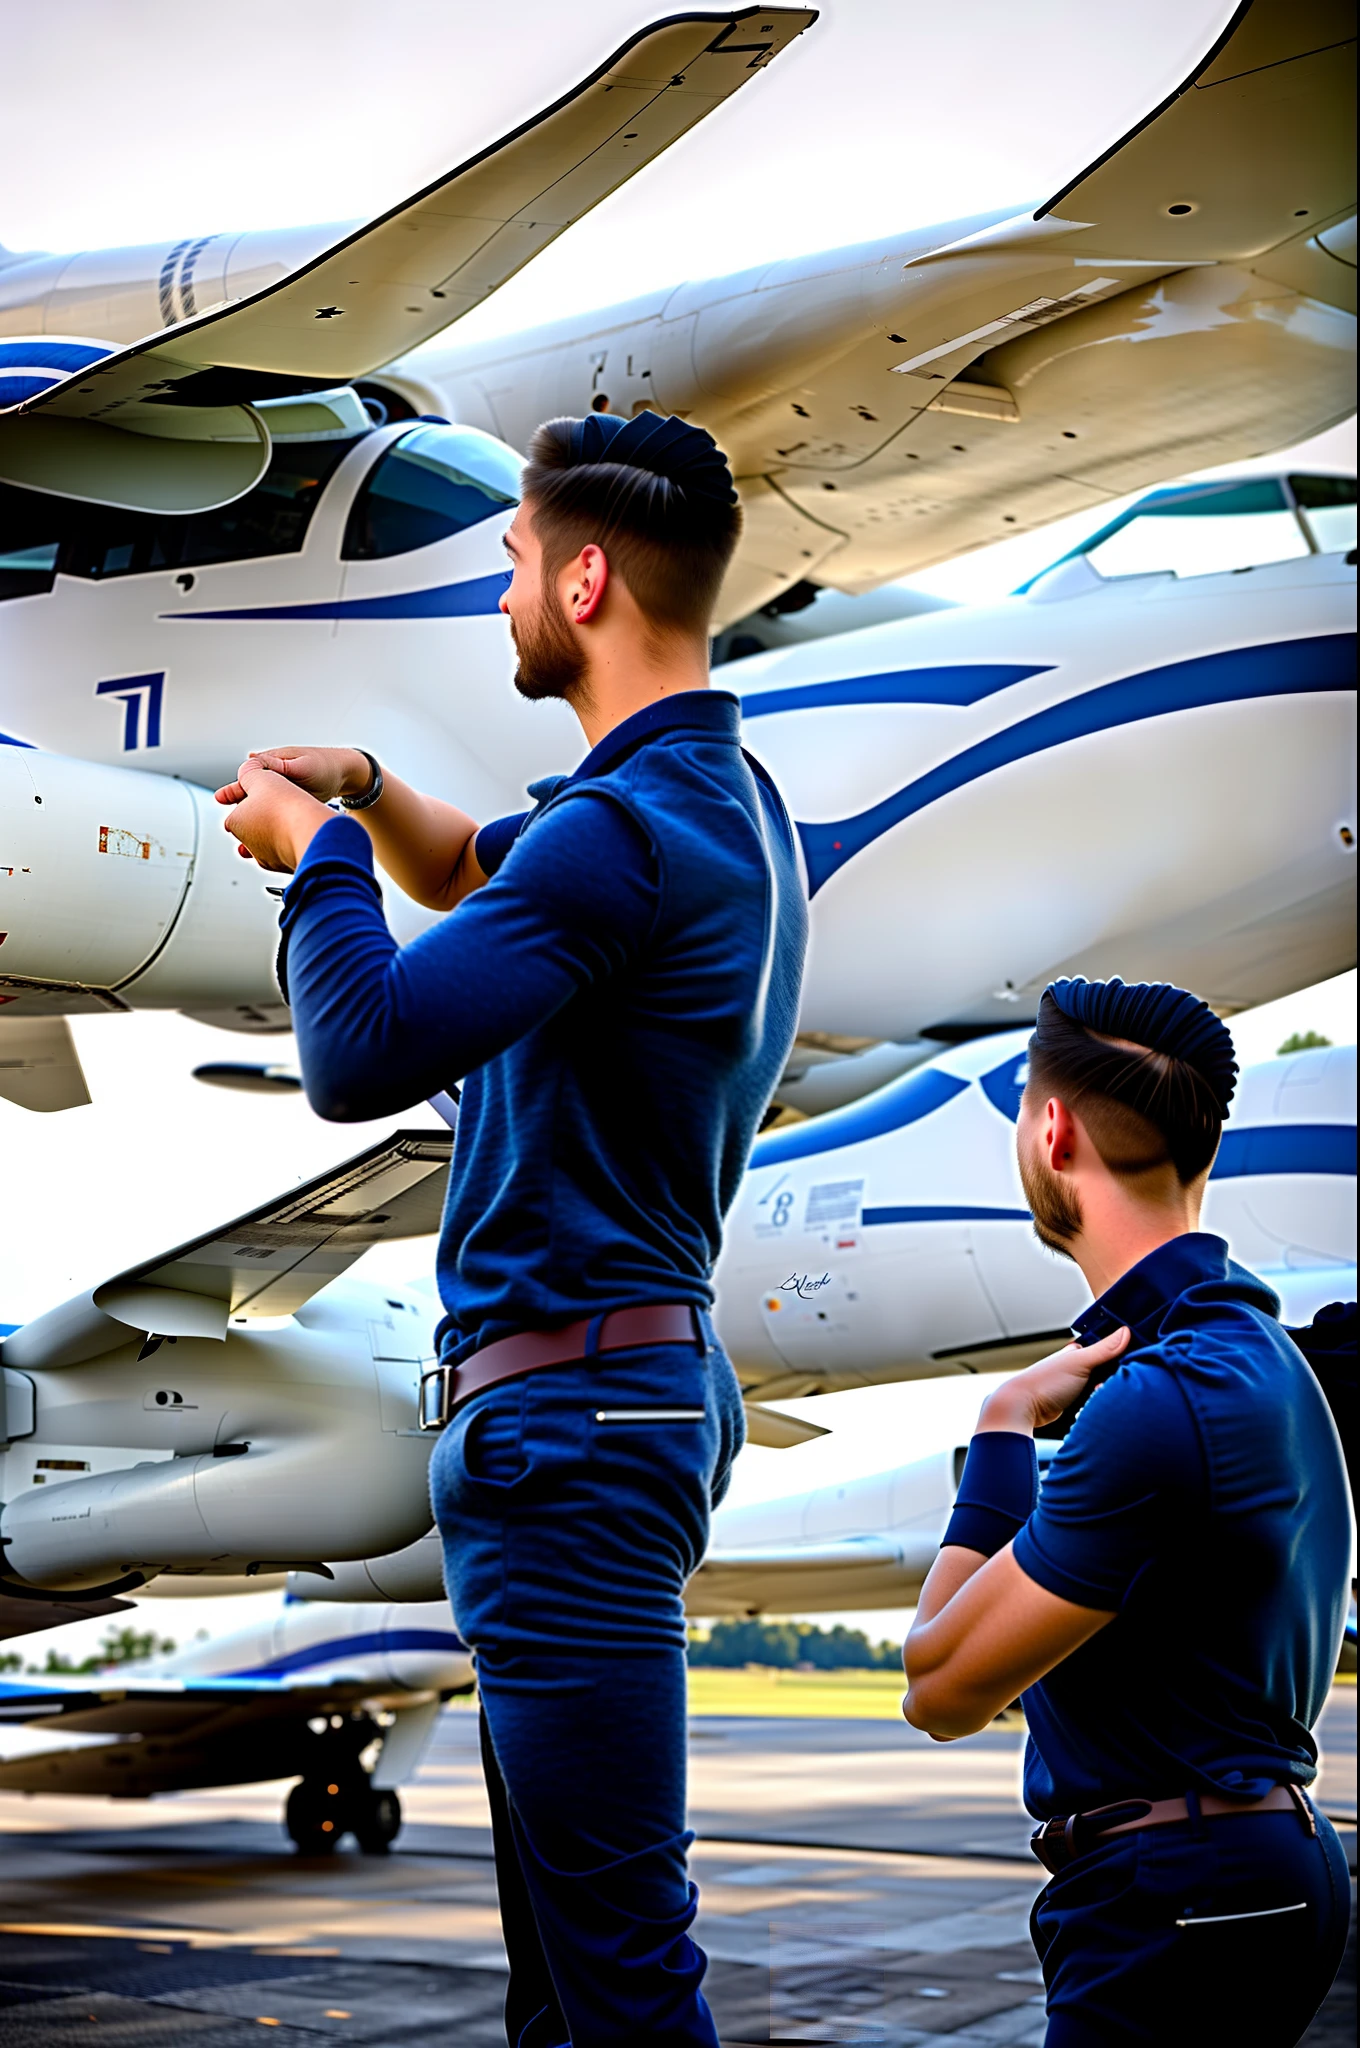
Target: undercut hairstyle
1143, 1109
669, 541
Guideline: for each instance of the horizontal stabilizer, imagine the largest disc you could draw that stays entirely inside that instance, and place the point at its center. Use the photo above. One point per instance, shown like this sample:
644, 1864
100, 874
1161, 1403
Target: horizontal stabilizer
266, 1263
796, 1578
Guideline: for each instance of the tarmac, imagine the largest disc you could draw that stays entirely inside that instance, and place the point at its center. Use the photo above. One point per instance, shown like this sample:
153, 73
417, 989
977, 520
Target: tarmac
859, 1884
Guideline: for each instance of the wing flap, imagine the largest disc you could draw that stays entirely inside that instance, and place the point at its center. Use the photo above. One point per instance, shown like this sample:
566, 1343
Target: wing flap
39, 1065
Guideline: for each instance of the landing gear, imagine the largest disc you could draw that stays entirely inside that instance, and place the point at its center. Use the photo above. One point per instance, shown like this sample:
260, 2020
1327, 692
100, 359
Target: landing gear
322, 1809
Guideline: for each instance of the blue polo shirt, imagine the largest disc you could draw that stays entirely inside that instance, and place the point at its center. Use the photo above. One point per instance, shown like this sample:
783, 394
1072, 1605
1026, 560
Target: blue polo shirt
619, 1001
1200, 1497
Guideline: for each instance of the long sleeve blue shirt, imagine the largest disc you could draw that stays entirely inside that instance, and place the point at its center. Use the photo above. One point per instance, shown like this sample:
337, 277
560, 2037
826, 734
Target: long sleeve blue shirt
618, 1000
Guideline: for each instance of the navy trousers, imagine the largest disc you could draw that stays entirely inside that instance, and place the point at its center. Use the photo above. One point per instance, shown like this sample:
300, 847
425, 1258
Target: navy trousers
574, 1505
1228, 1929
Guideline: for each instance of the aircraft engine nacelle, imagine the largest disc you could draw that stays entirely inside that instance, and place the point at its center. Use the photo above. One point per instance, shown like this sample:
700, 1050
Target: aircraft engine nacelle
268, 1449
120, 888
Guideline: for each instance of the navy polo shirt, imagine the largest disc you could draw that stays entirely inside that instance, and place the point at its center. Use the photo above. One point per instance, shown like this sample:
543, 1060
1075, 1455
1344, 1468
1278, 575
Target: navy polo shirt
1201, 1497
619, 1001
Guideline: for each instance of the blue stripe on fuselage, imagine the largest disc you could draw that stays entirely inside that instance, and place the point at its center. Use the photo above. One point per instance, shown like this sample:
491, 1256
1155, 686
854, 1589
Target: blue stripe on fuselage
1325, 661
890, 1109
475, 597
940, 1212
1285, 1148
380, 1642
967, 683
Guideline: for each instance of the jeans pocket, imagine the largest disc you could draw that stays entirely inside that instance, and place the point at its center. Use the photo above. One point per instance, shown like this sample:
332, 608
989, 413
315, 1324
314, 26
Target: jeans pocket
480, 1458
493, 1443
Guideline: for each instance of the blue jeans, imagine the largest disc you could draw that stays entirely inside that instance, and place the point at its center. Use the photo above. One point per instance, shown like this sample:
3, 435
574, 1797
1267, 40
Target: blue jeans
1228, 1929
571, 1520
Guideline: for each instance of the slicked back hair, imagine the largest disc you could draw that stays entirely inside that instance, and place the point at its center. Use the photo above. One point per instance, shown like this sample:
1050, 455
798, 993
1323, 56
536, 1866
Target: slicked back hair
1143, 1109
671, 546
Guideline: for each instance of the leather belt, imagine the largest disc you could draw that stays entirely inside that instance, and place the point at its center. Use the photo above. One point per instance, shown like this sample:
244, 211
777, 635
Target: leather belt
1061, 1840
445, 1388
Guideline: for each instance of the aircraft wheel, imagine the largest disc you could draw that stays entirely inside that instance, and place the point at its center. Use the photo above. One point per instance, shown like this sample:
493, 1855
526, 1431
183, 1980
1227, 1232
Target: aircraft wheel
317, 1815
375, 1818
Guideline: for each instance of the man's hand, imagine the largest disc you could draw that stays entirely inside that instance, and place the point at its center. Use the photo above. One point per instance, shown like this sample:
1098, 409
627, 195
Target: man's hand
274, 820
324, 772
1041, 1393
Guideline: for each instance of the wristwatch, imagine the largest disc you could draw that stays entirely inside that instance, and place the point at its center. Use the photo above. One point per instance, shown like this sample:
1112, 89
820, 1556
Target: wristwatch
372, 793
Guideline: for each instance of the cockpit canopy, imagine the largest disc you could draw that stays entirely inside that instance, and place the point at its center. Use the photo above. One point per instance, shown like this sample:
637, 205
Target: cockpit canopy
433, 481
1212, 528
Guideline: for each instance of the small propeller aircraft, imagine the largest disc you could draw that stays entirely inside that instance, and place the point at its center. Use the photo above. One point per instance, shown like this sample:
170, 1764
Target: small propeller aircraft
310, 1693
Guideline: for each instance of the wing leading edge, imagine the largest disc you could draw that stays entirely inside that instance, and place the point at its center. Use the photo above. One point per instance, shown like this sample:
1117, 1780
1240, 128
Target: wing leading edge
168, 424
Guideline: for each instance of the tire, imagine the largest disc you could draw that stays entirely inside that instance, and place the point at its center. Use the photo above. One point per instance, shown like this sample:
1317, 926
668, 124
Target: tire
375, 1819
317, 1815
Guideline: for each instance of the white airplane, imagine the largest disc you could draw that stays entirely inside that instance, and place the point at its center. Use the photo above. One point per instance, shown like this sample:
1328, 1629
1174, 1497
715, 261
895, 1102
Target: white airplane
309, 1693
236, 1408
891, 1241
1185, 679
145, 650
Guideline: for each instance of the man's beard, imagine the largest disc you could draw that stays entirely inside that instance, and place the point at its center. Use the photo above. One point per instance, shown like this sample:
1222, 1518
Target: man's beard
1056, 1211
551, 660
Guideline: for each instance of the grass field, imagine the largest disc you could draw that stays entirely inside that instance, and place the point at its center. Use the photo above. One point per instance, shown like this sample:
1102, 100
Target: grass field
857, 1695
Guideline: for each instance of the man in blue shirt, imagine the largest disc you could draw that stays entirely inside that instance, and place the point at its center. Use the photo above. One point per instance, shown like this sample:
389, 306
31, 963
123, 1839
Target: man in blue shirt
1170, 1609
617, 990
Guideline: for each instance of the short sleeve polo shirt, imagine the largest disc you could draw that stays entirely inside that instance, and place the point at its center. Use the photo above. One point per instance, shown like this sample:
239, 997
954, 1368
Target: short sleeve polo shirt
1201, 1498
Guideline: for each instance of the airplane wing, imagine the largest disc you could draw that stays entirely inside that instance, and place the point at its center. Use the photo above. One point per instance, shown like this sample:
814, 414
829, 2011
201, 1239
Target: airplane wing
844, 1572
265, 1263
103, 1705
181, 399
139, 1737
1255, 149
22, 1614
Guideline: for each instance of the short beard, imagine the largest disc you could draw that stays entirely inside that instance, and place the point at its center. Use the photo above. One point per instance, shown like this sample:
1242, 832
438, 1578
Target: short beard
1056, 1211
551, 660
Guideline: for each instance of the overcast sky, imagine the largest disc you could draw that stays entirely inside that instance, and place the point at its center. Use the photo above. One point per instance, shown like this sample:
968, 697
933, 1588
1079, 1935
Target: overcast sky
148, 120
157, 118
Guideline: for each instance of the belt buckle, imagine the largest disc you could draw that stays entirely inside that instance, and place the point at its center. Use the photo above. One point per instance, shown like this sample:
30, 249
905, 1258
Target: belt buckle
1051, 1844
436, 1390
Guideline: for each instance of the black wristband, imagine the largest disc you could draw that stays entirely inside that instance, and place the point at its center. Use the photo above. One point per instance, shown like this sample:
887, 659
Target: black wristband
372, 793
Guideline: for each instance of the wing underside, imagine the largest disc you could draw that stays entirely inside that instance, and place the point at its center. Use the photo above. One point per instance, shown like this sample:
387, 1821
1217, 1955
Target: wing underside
265, 1263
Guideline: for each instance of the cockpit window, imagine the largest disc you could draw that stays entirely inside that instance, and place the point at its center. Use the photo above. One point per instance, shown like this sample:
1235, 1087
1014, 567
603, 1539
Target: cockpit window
433, 482
1201, 532
1327, 507
28, 563
1211, 528
42, 535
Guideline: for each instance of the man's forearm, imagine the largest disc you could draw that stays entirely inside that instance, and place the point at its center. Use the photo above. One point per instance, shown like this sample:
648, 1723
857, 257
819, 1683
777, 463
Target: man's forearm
425, 845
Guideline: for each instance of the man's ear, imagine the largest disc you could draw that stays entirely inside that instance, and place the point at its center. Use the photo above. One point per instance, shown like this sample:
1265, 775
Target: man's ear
1060, 1135
584, 582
